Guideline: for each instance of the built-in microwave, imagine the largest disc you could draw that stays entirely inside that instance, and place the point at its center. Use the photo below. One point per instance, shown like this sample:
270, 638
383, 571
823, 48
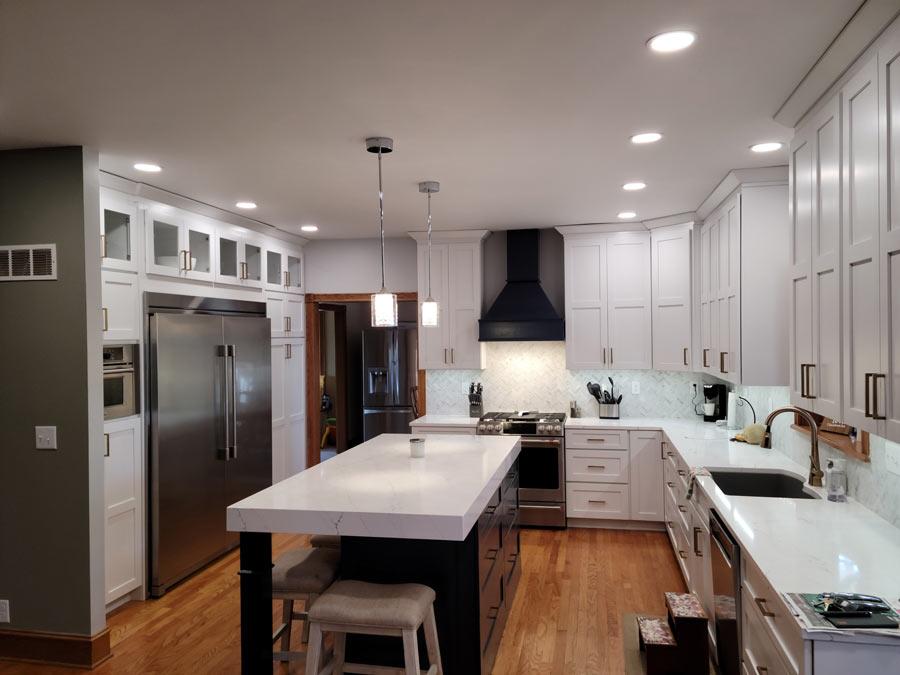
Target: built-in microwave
119, 383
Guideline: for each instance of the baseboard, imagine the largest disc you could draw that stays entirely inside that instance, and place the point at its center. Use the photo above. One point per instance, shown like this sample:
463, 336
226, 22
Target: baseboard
600, 524
80, 651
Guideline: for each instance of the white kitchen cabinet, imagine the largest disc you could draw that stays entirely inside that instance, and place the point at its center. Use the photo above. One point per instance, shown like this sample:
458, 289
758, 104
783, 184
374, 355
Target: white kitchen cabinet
121, 308
239, 258
815, 317
608, 298
288, 408
124, 523
700, 562
283, 268
744, 271
119, 231
180, 244
647, 465
456, 270
285, 313
671, 294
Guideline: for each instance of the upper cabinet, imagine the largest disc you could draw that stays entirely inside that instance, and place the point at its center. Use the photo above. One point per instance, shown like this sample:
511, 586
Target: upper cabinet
240, 258
118, 231
608, 299
670, 252
283, 269
744, 269
180, 244
456, 266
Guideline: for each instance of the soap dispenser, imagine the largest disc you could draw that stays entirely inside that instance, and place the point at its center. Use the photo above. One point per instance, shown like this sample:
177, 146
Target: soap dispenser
836, 480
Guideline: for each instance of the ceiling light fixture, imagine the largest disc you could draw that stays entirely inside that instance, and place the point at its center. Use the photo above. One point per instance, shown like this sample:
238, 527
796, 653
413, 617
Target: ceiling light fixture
309, 228
246, 205
384, 303
768, 146
672, 41
147, 167
636, 185
430, 312
626, 215
646, 137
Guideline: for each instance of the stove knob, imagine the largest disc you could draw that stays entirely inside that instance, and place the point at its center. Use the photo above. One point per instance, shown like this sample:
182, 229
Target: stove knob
557, 428
541, 428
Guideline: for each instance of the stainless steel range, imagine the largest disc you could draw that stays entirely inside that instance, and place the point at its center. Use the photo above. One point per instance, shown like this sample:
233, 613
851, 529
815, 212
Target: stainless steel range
542, 463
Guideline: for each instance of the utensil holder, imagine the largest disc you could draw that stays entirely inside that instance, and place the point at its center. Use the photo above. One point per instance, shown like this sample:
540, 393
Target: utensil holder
608, 411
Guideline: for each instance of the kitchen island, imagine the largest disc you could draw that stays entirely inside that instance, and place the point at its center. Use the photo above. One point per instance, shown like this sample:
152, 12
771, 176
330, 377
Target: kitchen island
448, 520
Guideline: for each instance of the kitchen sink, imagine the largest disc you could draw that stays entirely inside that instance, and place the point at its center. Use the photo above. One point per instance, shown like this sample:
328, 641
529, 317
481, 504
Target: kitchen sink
761, 484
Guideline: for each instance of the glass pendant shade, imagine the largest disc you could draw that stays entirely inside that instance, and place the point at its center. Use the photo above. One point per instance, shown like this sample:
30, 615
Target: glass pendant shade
430, 313
384, 309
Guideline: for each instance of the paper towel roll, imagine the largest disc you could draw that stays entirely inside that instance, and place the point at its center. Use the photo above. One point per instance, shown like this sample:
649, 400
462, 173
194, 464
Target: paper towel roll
732, 422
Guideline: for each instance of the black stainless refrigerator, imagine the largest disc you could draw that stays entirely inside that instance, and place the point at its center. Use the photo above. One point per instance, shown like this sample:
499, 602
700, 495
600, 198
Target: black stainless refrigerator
209, 406
390, 371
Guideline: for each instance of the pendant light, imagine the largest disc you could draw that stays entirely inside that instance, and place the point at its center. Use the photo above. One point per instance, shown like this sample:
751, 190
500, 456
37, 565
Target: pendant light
429, 310
384, 303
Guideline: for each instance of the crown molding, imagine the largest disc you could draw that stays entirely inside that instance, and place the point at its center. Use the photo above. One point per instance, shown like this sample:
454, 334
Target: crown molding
769, 175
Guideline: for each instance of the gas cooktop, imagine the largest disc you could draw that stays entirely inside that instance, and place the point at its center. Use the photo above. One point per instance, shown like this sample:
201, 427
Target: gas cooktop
522, 423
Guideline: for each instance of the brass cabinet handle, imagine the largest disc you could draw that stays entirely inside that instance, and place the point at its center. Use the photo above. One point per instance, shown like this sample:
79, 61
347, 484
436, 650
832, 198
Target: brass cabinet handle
682, 554
875, 414
452, 360
806, 380
669, 524
596, 440
803, 380
604, 355
596, 466
611, 360
106, 440
287, 280
685, 355
183, 255
287, 324
288, 351
596, 501
670, 484
868, 400
761, 603
722, 363
445, 355
669, 453
104, 253
682, 472
190, 264
697, 551
705, 360
243, 273
662, 450
105, 319
682, 508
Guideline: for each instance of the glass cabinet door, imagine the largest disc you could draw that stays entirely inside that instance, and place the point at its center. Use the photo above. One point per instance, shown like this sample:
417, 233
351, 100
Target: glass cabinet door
118, 227
275, 273
252, 265
228, 259
294, 273
200, 251
165, 255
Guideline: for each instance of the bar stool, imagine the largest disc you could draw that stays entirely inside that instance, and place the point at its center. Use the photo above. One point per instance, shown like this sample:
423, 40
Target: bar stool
300, 574
373, 609
326, 541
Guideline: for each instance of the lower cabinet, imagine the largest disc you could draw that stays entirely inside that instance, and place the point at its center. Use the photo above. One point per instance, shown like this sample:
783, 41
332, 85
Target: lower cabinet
121, 306
288, 408
124, 493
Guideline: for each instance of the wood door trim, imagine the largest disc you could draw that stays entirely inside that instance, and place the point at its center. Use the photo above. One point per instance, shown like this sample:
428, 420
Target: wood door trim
81, 651
314, 360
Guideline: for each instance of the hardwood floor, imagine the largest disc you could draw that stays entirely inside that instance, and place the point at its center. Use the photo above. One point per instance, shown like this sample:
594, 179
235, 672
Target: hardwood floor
566, 620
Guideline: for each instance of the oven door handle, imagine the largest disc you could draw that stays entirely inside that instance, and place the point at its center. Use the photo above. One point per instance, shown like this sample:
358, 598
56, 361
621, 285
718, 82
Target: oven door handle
535, 442
117, 371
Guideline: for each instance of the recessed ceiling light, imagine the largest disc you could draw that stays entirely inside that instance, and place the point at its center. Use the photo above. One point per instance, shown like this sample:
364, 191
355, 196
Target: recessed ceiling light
647, 137
309, 228
627, 215
246, 205
673, 41
636, 185
769, 146
147, 167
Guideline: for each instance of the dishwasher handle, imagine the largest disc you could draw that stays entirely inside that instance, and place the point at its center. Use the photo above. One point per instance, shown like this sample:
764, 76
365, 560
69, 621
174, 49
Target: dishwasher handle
722, 537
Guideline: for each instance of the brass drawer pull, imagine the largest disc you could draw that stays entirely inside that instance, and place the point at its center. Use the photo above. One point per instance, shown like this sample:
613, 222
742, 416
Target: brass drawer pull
670, 524
875, 413
596, 466
104, 253
697, 551
287, 280
670, 484
705, 360
722, 356
243, 274
681, 472
596, 440
611, 360
682, 508
105, 319
106, 440
685, 356
288, 351
763, 608
287, 324
604, 356
596, 501
683, 555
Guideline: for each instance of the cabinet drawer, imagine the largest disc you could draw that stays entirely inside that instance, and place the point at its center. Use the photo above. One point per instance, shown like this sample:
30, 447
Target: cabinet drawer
597, 466
682, 550
761, 600
677, 505
609, 439
761, 656
597, 500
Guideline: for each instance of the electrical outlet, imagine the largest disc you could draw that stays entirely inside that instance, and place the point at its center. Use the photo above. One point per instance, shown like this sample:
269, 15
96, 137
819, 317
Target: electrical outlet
45, 438
635, 387
892, 456
4, 611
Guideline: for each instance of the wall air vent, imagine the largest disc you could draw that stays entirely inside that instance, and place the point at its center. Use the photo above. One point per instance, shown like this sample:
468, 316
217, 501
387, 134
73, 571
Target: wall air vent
28, 262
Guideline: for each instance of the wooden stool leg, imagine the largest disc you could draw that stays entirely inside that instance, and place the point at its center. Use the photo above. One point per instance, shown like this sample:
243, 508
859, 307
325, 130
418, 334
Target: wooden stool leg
314, 650
338, 662
287, 610
410, 652
309, 601
431, 642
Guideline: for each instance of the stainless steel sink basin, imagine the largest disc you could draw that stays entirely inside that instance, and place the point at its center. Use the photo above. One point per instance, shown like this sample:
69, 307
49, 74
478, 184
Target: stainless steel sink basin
761, 484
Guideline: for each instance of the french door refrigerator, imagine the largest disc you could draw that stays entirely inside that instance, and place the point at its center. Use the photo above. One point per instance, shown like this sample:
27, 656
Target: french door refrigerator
209, 406
390, 371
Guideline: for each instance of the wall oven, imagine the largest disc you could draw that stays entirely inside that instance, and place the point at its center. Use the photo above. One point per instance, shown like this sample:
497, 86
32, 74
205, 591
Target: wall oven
119, 383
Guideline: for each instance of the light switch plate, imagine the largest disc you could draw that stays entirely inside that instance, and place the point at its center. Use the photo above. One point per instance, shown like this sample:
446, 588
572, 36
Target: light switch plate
4, 611
45, 438
892, 456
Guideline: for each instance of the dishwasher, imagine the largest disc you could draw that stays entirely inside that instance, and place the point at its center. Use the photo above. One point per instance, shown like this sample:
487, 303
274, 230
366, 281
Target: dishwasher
726, 577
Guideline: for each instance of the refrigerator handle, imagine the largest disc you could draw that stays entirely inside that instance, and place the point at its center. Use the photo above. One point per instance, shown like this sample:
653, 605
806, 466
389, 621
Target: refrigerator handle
232, 352
225, 454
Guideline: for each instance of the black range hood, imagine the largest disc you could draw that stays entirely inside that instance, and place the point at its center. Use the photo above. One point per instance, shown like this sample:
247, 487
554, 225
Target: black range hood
522, 311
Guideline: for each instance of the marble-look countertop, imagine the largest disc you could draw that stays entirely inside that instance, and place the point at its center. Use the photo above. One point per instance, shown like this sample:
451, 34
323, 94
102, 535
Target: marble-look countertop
377, 490
444, 421
801, 545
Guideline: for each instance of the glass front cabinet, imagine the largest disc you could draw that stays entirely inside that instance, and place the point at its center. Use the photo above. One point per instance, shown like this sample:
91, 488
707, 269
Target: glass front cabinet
240, 258
118, 232
283, 269
180, 244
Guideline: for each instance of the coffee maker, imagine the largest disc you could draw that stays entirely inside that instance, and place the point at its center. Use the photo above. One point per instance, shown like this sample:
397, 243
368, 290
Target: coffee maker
715, 402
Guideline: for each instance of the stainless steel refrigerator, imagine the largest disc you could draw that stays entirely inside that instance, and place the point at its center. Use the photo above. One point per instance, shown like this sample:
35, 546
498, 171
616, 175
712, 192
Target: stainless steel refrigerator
209, 409
390, 371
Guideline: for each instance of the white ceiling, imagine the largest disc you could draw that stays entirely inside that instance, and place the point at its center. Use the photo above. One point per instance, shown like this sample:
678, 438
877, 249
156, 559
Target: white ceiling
522, 109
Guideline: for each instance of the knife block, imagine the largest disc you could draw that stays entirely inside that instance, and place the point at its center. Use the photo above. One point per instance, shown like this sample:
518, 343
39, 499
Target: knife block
608, 411
476, 409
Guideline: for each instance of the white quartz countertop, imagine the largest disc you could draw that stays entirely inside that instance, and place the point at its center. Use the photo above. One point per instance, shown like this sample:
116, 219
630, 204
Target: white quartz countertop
801, 545
444, 421
377, 490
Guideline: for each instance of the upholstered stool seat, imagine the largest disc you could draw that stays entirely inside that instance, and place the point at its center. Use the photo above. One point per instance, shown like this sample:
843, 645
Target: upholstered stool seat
300, 574
325, 541
373, 609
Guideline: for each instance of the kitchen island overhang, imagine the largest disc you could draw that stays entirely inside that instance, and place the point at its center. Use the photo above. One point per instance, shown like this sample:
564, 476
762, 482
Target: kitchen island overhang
448, 520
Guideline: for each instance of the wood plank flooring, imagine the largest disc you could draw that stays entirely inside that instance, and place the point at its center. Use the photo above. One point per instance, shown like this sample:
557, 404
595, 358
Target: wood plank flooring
576, 585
